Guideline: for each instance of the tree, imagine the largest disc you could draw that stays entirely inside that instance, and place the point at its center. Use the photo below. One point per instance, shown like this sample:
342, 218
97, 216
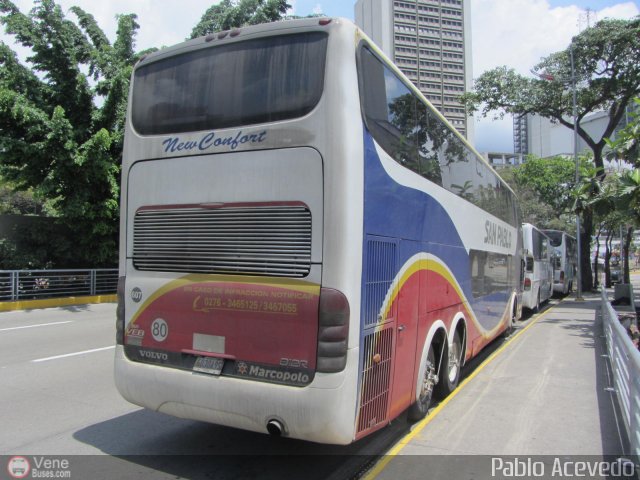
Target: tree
236, 13
607, 77
626, 144
544, 189
61, 131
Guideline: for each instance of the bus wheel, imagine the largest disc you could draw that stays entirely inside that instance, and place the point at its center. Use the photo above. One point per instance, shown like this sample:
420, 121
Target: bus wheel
426, 384
537, 308
512, 323
452, 364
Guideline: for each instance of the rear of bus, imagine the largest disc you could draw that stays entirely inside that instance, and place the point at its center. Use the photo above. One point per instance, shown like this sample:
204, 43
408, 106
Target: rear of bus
241, 229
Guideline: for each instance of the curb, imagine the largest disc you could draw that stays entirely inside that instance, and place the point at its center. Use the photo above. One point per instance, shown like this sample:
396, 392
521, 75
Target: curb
55, 302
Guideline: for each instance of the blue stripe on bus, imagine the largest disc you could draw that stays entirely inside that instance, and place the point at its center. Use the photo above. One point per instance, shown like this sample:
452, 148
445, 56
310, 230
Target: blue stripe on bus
421, 224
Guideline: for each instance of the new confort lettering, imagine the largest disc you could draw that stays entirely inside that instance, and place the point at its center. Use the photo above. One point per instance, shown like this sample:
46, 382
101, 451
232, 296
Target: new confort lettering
175, 144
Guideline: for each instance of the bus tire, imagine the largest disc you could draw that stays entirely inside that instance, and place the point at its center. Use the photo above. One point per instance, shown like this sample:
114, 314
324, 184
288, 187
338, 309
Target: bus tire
536, 309
512, 323
451, 367
426, 386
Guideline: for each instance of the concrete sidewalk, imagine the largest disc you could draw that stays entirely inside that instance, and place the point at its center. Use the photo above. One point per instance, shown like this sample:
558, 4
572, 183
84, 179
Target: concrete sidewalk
543, 394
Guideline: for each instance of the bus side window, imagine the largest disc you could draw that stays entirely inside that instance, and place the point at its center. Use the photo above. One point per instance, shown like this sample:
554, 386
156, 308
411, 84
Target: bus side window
545, 249
390, 110
427, 145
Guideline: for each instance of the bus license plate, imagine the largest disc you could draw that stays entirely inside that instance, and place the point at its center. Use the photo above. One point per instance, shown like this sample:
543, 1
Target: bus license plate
210, 365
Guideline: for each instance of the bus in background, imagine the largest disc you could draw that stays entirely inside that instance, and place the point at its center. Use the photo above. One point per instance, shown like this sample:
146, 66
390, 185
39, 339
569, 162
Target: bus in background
307, 247
564, 259
538, 268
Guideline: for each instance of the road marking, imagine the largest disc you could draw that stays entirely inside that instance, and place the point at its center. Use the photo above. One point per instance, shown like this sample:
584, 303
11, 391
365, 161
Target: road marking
33, 326
404, 441
72, 354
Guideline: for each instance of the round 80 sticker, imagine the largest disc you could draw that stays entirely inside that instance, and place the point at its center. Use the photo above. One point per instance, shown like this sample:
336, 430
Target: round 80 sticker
159, 330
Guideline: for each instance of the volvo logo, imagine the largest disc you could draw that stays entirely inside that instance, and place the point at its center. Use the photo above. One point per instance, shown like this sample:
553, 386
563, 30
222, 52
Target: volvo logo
154, 355
136, 294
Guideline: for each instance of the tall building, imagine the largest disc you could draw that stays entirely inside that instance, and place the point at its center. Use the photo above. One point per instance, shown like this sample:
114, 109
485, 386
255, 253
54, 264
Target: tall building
430, 41
543, 138
520, 134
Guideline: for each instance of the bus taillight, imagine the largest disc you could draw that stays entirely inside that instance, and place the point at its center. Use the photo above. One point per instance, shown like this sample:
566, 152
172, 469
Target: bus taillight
120, 312
527, 284
561, 276
333, 331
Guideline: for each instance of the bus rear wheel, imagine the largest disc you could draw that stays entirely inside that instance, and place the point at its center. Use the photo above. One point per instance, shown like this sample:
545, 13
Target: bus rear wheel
425, 387
451, 366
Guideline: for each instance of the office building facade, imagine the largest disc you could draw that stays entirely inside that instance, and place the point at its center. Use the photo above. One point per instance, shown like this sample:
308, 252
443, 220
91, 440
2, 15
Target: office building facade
521, 134
430, 41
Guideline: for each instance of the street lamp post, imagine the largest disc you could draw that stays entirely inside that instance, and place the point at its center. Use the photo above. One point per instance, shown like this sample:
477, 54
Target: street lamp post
546, 76
575, 158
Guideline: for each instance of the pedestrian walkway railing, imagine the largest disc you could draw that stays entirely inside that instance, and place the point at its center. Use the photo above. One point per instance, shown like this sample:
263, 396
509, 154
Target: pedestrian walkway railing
39, 284
625, 362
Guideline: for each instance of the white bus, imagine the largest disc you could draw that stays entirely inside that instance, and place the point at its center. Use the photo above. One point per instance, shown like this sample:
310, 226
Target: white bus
307, 247
564, 259
538, 268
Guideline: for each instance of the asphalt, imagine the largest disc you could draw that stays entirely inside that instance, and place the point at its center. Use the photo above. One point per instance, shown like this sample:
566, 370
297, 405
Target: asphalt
543, 399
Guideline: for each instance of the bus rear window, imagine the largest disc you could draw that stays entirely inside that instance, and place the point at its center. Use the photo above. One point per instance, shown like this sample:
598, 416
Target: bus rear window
244, 83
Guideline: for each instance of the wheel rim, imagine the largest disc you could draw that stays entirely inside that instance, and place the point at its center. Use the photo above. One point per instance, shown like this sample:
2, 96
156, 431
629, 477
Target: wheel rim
429, 380
454, 359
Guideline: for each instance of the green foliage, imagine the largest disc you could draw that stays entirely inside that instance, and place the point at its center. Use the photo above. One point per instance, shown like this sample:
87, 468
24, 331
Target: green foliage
16, 202
544, 189
551, 178
607, 77
237, 13
627, 142
61, 131
37, 243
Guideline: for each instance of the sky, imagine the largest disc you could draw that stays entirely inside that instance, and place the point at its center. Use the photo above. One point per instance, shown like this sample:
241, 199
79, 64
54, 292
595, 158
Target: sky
516, 33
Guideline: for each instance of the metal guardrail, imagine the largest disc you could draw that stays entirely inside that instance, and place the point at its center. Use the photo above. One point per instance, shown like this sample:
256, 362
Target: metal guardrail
39, 284
625, 362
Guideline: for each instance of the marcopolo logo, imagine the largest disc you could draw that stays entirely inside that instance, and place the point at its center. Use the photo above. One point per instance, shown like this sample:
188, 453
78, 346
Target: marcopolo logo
18, 467
272, 374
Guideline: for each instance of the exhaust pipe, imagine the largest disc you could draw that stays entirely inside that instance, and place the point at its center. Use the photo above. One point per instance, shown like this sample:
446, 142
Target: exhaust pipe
275, 428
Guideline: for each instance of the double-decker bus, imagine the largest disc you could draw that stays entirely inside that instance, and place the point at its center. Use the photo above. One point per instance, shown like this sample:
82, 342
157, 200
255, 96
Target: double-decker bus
564, 260
538, 267
307, 247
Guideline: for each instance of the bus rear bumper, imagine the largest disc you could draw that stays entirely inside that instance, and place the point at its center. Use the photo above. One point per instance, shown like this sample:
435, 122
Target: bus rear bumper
322, 412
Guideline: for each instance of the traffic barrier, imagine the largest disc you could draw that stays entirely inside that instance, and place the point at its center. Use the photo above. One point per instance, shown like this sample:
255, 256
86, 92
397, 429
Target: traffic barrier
625, 362
21, 285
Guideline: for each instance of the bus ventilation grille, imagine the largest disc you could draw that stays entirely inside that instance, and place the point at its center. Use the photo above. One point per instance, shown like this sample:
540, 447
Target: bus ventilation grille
380, 271
376, 374
241, 240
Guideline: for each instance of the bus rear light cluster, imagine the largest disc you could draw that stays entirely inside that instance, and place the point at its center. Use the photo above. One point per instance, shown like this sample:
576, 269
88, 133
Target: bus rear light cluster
527, 284
333, 331
561, 276
120, 312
